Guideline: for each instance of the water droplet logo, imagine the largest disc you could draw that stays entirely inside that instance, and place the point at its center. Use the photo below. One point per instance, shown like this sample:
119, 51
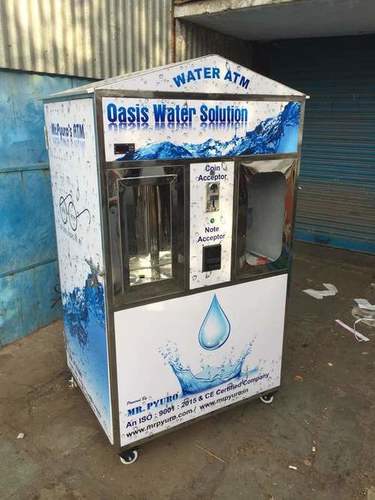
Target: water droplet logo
215, 329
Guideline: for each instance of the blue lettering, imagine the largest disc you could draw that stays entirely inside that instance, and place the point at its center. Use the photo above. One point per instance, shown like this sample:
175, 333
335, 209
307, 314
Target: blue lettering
228, 75
190, 77
203, 114
184, 114
198, 72
111, 112
131, 115
244, 82
144, 115
179, 80
195, 74
171, 113
121, 114
207, 72
135, 411
159, 112
79, 131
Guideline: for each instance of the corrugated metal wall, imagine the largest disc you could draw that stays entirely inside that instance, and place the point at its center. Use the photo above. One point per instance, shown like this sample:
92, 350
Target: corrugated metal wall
336, 202
90, 38
195, 41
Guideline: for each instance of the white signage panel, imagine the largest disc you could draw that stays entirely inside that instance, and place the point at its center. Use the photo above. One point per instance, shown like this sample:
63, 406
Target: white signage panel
182, 358
165, 129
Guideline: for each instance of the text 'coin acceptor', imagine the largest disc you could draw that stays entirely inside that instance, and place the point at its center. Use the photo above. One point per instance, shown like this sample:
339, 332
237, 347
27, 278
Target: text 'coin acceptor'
174, 194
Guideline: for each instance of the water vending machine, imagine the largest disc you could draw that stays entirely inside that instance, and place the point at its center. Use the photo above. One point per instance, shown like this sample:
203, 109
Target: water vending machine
174, 194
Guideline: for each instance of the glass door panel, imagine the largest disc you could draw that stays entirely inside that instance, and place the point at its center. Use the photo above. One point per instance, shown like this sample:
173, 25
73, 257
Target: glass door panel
146, 225
146, 215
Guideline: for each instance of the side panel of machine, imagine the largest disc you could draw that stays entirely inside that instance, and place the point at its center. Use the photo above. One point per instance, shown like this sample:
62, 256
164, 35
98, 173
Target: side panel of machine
171, 129
70, 129
183, 358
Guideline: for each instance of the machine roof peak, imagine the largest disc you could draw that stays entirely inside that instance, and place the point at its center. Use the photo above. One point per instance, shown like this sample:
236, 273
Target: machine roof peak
207, 74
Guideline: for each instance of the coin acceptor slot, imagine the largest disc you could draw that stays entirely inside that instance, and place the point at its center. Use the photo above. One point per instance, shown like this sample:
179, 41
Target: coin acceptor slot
213, 197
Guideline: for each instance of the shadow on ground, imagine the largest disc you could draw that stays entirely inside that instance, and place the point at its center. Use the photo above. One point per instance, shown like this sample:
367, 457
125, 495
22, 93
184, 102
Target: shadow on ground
321, 422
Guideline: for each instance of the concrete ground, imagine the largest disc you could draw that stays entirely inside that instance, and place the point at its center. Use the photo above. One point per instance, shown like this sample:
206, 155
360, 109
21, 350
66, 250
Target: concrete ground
321, 422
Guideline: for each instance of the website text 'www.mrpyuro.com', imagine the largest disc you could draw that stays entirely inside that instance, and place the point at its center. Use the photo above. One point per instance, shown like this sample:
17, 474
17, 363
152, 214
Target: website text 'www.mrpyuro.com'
192, 406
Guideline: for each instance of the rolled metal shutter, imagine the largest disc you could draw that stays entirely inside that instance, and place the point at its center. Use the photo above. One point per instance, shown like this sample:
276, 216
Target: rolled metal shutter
336, 199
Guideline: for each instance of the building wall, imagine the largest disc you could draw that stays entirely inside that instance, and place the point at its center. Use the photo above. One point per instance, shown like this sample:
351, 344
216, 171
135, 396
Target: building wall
195, 41
336, 202
88, 38
29, 284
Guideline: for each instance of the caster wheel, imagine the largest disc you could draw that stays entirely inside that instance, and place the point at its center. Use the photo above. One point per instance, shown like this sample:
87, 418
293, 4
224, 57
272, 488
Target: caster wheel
128, 457
267, 399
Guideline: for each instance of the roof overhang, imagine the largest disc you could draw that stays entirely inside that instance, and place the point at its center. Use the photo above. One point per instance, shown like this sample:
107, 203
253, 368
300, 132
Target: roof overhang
265, 20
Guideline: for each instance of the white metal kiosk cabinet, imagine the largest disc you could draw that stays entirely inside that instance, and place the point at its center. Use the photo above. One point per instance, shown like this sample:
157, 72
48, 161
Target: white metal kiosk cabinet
174, 195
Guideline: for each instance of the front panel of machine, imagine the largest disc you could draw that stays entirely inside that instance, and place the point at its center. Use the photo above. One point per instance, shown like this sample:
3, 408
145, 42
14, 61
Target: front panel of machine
200, 233
182, 358
185, 356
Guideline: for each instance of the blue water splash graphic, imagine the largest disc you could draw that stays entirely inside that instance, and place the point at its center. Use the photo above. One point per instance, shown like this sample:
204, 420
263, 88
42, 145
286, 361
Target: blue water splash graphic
215, 329
213, 333
274, 135
207, 376
83, 305
86, 342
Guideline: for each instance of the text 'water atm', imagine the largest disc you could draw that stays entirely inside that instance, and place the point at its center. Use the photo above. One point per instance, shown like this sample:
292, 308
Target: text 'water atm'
174, 194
